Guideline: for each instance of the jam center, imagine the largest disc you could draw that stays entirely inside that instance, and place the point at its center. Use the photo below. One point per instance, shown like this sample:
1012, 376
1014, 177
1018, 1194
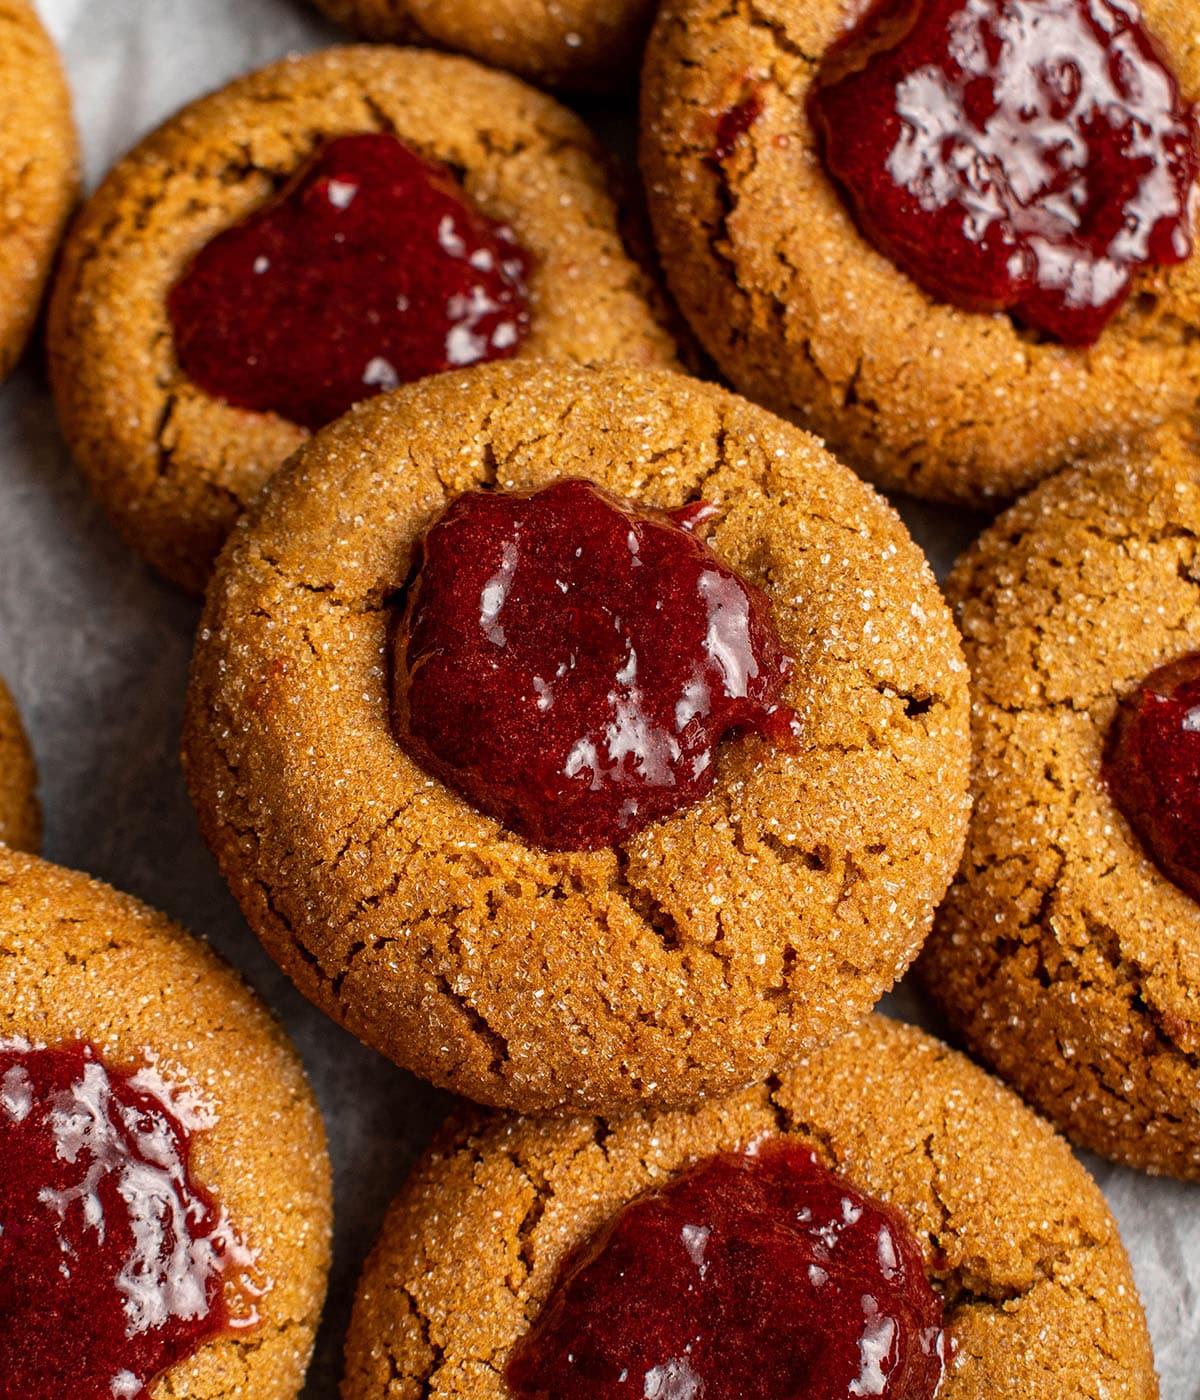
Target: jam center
1152, 766
752, 1277
568, 662
370, 270
112, 1258
1011, 155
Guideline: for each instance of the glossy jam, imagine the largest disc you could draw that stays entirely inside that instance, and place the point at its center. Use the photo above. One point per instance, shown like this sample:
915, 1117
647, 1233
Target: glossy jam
371, 269
1152, 767
754, 1277
1011, 155
568, 662
112, 1258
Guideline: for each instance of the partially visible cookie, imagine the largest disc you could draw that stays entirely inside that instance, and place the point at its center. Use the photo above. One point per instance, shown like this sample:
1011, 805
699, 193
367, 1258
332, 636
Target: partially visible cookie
805, 316
1064, 955
1039, 1297
20, 817
174, 465
702, 952
39, 169
81, 963
585, 45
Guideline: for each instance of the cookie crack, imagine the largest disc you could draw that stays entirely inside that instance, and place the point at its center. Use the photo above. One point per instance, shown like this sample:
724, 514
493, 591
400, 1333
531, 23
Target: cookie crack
483, 1030
756, 18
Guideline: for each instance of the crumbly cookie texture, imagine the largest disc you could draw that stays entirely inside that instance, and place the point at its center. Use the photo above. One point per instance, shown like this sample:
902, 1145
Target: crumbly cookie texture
39, 169
1062, 955
80, 961
1040, 1299
709, 949
585, 45
804, 316
20, 816
173, 466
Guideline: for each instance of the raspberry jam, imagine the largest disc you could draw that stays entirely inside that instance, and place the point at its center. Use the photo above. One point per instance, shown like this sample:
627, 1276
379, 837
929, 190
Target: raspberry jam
755, 1276
1011, 155
369, 270
1152, 767
568, 662
112, 1258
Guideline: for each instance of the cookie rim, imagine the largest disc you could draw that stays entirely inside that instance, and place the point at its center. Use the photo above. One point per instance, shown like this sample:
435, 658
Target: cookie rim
20, 811
309, 941
970, 442
298, 1264
172, 465
578, 51
1097, 1113
39, 146
492, 1153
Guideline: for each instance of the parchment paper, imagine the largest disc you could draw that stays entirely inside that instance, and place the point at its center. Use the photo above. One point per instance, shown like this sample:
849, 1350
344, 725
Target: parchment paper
96, 649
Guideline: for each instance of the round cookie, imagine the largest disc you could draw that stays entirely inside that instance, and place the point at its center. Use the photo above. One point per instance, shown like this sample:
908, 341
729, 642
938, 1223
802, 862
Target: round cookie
705, 951
174, 466
39, 169
81, 961
20, 817
586, 45
804, 316
1040, 1300
1063, 956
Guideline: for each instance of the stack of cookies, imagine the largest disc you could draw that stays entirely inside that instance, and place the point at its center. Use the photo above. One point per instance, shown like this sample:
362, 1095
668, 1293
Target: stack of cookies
582, 733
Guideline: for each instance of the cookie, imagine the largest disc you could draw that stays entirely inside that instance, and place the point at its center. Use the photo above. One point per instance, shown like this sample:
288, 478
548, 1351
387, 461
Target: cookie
39, 170
1016, 1238
82, 963
20, 817
584, 45
174, 465
803, 314
707, 950
1064, 956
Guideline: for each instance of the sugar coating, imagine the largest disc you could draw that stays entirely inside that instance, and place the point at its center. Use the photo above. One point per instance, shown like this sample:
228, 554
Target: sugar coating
173, 466
20, 816
1063, 956
1040, 1299
709, 949
39, 169
584, 45
804, 316
80, 961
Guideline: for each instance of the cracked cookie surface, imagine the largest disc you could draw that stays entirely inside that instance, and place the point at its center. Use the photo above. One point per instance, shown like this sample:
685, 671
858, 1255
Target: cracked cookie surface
715, 945
1040, 1300
20, 817
39, 169
80, 961
1062, 955
805, 317
173, 466
586, 45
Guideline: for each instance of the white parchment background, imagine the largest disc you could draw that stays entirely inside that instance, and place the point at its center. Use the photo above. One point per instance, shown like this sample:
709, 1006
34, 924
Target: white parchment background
96, 650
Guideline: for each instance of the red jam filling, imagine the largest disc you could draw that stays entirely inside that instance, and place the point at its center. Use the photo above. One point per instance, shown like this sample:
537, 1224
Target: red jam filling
1152, 767
568, 662
112, 1258
371, 269
1011, 155
755, 1276
733, 124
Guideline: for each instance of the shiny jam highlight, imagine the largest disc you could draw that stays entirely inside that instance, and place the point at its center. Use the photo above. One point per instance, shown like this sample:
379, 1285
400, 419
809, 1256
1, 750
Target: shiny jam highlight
568, 661
371, 269
755, 1276
1026, 156
112, 1258
1152, 767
